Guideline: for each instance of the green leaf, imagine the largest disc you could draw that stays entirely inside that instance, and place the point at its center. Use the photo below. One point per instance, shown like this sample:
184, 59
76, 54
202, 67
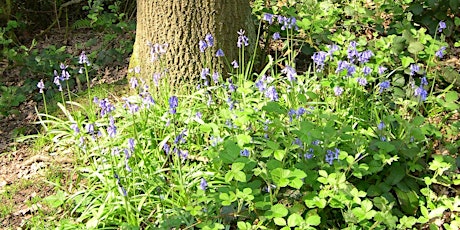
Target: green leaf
279, 221
415, 47
55, 200
294, 220
451, 96
230, 153
278, 210
397, 173
237, 166
243, 139
274, 107
408, 201
279, 154
406, 61
240, 176
313, 220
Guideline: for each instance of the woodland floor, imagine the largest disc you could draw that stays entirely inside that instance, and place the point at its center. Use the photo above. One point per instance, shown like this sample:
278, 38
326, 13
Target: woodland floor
24, 169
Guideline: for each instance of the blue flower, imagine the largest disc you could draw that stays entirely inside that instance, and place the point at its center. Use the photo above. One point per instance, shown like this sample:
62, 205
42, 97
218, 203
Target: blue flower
332, 49
440, 52
423, 81
204, 73
202, 45
209, 40
235, 64
244, 153
384, 85
112, 129
203, 184
75, 128
166, 148
364, 57
131, 144
341, 65
83, 59
260, 84
367, 70
381, 70
298, 142
332, 155
290, 73
215, 77
276, 36
414, 68
421, 92
147, 99
441, 26
309, 154
220, 53
173, 103
268, 17
133, 82
362, 81
183, 154
106, 106
381, 125
90, 128
319, 58
291, 114
242, 39
41, 85
271, 93
338, 91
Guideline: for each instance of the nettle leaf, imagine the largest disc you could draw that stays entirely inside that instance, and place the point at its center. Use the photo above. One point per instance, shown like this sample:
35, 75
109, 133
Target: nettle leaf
406, 61
294, 219
280, 177
397, 173
274, 107
313, 220
230, 153
415, 47
243, 139
279, 221
279, 154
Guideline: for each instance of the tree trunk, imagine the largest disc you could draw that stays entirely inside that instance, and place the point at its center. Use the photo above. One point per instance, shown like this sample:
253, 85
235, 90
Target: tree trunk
182, 24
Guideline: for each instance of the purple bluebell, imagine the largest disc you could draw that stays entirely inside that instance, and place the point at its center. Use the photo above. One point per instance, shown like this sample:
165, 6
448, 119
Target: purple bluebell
133, 83
271, 93
341, 65
319, 58
112, 129
268, 18
361, 81
332, 155
381, 125
90, 128
298, 142
131, 144
215, 141
440, 52
41, 86
203, 184
290, 73
231, 87
180, 139
367, 70
137, 70
338, 91
215, 78
244, 153
231, 103
235, 64
351, 69
106, 106
309, 154
301, 111
173, 103
332, 49
204, 73
83, 59
57, 80
75, 128
423, 81
441, 26
64, 73
414, 68
183, 154
156, 79
202, 45
421, 92
209, 40
316, 142
381, 70
291, 114
365, 56
242, 39
276, 36
384, 85
147, 99
220, 53
166, 148
260, 84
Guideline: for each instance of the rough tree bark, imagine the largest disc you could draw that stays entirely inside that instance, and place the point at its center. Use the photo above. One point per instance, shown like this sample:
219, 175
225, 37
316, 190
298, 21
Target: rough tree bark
182, 24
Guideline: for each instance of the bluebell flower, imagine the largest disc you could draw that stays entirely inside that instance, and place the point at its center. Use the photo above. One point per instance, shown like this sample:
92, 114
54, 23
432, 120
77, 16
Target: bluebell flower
332, 155
137, 69
244, 153
268, 18
202, 45
75, 128
215, 77
166, 148
414, 68
204, 73
133, 82
231, 87
301, 111
203, 184
112, 129
365, 56
441, 26
362, 81
183, 154
215, 141
351, 69
290, 73
157, 50
235, 64
384, 85
319, 58
147, 99
271, 93
440, 52
83, 59
381, 70
90, 128
332, 49
173, 103
338, 91
341, 65
298, 142
421, 92
291, 114
64, 73
231, 103
115, 151
180, 139
131, 144
242, 39
288, 23
309, 154
367, 70
423, 81
220, 53
106, 106
381, 125
156, 79
276, 36
260, 84
41, 86
209, 40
